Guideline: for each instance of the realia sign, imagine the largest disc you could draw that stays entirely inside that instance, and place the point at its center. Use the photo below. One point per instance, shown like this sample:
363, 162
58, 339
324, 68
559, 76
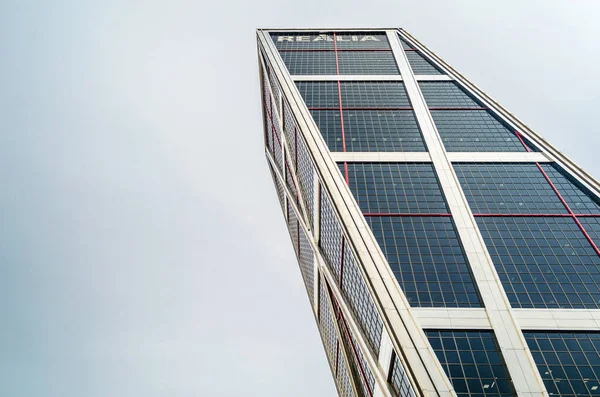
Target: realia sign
324, 37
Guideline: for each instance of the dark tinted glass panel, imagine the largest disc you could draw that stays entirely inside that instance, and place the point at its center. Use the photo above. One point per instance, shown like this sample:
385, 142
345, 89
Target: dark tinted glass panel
579, 199
446, 94
309, 62
366, 62
399, 380
381, 94
569, 362
382, 131
395, 188
543, 262
406, 45
426, 256
420, 65
359, 299
362, 40
592, 227
331, 236
473, 362
329, 124
474, 131
504, 188
278, 187
321, 94
303, 41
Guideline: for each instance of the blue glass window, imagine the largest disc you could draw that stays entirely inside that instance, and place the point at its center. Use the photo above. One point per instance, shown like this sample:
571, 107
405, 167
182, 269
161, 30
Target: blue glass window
569, 362
306, 179
473, 362
474, 131
306, 260
367, 62
543, 262
399, 379
355, 94
446, 94
420, 65
330, 126
579, 199
370, 130
319, 94
374, 94
427, 259
310, 62
302, 41
507, 188
592, 227
396, 188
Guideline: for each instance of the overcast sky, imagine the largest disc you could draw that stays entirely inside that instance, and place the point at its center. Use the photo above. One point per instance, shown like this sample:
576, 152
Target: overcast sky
143, 251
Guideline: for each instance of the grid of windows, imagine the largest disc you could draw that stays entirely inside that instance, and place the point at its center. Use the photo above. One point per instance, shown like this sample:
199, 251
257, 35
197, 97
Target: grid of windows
543, 262
427, 258
474, 131
310, 62
269, 129
329, 124
374, 94
420, 65
319, 94
446, 94
327, 325
293, 227
276, 89
370, 130
592, 227
274, 125
399, 380
306, 178
291, 184
507, 188
343, 379
368, 375
330, 240
355, 94
353, 355
473, 362
289, 129
367, 62
278, 187
382, 131
360, 301
396, 188
306, 259
569, 362
578, 198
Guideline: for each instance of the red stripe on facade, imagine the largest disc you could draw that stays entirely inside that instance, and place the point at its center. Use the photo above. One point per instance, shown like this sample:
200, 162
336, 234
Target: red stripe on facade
440, 108
585, 233
520, 138
338, 108
400, 214
339, 50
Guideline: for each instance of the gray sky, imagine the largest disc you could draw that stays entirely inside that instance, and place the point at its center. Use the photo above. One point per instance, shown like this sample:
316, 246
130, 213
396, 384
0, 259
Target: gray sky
143, 251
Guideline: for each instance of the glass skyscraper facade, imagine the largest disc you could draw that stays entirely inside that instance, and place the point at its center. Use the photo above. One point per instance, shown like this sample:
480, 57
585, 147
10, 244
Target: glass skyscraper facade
446, 248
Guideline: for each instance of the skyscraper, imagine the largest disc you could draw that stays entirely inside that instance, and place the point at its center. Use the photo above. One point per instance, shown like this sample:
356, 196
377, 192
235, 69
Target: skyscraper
446, 248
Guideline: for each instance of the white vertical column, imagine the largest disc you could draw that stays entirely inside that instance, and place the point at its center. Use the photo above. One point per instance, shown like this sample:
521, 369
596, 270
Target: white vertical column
517, 357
